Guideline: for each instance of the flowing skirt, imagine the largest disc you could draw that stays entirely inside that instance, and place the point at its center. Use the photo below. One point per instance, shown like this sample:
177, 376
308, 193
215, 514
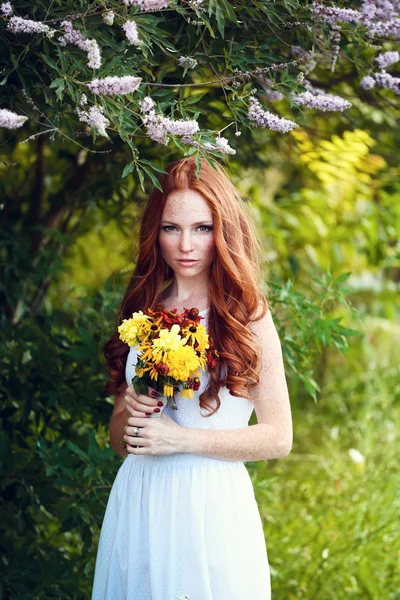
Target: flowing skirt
181, 527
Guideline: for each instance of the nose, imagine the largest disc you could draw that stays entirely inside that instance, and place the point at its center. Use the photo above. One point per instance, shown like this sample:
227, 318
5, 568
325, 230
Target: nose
186, 242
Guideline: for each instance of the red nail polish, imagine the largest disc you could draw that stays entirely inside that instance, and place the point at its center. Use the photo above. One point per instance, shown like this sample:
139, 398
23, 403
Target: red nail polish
153, 394
156, 410
148, 414
160, 403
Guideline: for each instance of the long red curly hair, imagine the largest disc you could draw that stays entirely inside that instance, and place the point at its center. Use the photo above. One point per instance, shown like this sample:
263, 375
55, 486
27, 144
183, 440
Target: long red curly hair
234, 294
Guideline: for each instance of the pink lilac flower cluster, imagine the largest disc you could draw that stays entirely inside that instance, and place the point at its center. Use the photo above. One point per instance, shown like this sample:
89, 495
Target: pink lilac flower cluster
20, 25
386, 80
146, 105
322, 101
196, 4
159, 127
331, 14
221, 145
187, 61
115, 85
11, 120
6, 9
264, 118
95, 118
131, 33
269, 92
74, 37
148, 4
108, 17
367, 82
386, 59
381, 18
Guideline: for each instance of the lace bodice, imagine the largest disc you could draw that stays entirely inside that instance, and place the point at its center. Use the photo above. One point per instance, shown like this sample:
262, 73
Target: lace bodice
233, 413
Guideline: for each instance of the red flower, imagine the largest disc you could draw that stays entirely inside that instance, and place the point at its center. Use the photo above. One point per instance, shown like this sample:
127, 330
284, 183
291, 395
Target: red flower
162, 368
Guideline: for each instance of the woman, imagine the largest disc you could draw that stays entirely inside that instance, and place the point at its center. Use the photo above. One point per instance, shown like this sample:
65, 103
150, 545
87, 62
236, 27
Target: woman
182, 520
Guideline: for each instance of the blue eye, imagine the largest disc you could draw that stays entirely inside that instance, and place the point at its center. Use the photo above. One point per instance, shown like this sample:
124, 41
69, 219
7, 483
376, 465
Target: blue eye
168, 227
205, 228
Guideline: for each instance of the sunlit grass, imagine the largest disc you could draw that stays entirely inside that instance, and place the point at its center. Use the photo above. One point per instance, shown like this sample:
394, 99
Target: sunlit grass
331, 507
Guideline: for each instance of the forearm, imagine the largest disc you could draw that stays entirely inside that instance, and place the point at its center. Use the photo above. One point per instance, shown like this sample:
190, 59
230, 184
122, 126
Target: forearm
117, 430
256, 442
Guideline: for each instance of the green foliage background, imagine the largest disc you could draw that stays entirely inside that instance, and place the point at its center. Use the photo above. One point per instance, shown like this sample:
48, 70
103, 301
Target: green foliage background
326, 201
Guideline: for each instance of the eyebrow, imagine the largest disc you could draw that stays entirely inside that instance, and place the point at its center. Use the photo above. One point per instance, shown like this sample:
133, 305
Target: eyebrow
195, 224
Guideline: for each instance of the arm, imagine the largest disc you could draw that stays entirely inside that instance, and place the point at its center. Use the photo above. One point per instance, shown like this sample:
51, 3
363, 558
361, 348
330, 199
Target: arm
118, 421
272, 436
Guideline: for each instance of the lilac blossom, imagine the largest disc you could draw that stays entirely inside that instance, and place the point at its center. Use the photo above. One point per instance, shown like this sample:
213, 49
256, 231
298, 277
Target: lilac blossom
115, 85
221, 145
270, 93
264, 118
367, 82
11, 120
131, 33
386, 80
321, 101
158, 127
148, 4
6, 9
108, 17
146, 105
378, 11
20, 25
187, 61
386, 59
74, 37
196, 4
331, 14
385, 29
95, 118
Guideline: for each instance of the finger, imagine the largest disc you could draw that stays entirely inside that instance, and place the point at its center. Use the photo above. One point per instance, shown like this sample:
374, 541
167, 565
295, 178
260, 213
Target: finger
130, 431
137, 413
143, 403
136, 440
138, 449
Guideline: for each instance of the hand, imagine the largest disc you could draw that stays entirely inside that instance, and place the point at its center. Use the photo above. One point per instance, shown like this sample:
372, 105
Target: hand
141, 405
156, 436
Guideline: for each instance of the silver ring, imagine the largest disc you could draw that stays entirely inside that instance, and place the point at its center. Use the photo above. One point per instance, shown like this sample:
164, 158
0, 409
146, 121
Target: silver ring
137, 431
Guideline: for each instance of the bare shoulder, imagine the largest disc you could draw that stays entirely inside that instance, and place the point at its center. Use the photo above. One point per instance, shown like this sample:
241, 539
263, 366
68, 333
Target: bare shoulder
263, 327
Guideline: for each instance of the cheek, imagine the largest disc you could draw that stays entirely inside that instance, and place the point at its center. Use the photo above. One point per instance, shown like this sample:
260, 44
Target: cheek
165, 243
210, 248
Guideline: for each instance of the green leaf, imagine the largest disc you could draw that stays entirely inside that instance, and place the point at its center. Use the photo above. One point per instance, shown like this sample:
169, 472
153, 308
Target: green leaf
153, 165
153, 178
220, 20
128, 169
198, 165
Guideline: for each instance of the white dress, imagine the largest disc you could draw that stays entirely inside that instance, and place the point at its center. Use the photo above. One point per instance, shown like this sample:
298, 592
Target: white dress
183, 525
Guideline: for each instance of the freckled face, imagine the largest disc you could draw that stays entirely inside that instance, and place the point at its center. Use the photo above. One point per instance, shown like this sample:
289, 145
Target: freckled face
186, 234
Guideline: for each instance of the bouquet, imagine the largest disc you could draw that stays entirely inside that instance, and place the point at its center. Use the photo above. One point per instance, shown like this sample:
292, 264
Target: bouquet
172, 348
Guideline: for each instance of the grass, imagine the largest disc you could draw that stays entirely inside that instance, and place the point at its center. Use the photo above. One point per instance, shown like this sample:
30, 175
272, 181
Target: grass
331, 517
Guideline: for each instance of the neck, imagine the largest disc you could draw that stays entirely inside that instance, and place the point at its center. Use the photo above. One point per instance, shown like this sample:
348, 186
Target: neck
182, 291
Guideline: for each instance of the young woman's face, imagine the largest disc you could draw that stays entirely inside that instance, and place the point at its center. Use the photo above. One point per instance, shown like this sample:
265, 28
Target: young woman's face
186, 234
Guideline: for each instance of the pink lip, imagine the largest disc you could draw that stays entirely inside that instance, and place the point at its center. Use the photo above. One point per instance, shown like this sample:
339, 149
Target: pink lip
188, 261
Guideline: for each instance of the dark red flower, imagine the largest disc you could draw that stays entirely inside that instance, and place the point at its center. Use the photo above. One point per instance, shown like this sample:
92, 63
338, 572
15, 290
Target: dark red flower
162, 368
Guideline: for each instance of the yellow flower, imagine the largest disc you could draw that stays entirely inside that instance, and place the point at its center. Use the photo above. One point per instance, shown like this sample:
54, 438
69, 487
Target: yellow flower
132, 331
187, 393
197, 334
168, 390
169, 341
182, 362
